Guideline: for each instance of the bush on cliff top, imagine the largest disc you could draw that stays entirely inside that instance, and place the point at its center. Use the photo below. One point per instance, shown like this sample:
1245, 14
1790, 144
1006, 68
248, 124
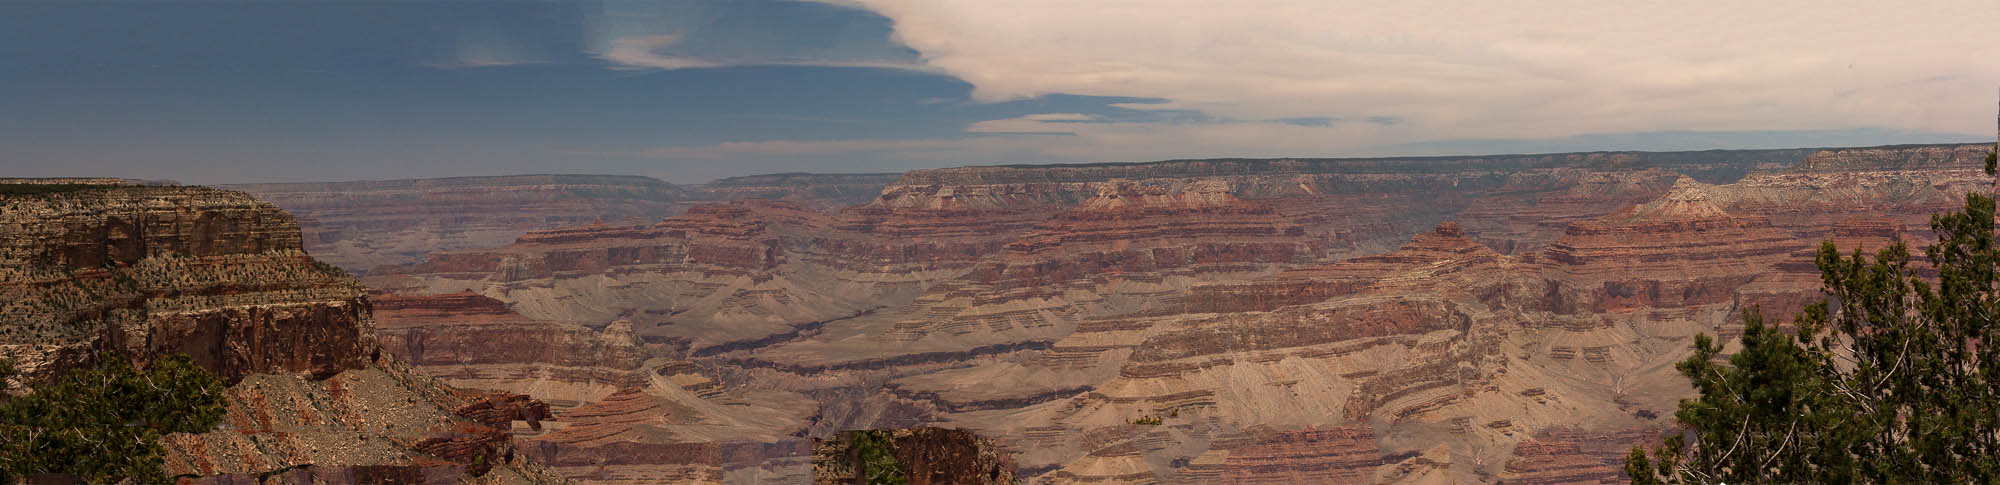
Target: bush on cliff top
104, 425
1893, 379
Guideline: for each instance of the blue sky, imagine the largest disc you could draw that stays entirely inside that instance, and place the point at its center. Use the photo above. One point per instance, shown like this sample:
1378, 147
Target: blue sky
219, 92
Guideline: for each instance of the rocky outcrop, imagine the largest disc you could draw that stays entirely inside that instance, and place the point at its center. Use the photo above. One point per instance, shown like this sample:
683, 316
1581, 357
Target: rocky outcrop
149, 271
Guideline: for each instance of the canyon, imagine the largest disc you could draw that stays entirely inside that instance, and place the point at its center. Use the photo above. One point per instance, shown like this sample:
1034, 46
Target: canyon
1508, 318
96, 267
1504, 318
364, 224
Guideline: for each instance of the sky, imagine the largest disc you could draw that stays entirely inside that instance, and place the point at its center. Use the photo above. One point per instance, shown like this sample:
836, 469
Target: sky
693, 90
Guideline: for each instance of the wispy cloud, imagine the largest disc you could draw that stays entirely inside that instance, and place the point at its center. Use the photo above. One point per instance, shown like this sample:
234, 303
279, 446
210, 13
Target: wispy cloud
477, 47
647, 52
699, 35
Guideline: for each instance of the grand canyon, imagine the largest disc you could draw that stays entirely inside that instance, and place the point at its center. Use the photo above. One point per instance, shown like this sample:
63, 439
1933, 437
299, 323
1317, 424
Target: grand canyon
1399, 320
996, 242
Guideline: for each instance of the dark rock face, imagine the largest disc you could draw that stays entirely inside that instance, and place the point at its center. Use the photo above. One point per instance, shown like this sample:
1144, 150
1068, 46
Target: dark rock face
924, 455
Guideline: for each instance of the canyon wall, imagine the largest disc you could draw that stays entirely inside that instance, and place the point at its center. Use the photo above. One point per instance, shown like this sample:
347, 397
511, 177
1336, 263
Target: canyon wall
1506, 318
94, 267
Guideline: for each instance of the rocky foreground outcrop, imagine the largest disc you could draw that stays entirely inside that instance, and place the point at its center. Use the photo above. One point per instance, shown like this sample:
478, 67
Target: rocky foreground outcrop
1252, 321
149, 271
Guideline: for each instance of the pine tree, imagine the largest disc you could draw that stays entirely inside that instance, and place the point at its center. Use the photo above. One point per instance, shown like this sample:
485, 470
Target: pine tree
1891, 379
104, 424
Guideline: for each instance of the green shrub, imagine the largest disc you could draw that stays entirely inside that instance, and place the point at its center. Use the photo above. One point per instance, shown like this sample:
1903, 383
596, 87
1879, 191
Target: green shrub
104, 424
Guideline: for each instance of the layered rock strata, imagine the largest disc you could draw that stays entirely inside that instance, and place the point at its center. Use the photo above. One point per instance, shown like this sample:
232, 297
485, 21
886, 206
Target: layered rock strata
149, 271
1195, 321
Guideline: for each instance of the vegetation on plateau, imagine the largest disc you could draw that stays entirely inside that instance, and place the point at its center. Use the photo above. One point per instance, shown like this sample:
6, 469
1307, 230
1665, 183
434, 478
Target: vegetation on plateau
104, 424
1893, 379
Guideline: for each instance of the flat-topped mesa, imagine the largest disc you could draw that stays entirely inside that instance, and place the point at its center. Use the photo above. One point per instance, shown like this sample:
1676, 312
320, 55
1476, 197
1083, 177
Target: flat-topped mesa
212, 273
1898, 157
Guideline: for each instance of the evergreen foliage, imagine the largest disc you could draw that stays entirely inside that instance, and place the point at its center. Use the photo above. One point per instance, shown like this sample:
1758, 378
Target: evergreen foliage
104, 424
877, 463
1892, 379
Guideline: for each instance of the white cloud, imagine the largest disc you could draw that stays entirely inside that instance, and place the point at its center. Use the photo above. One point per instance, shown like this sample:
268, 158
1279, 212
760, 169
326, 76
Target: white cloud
1461, 70
1034, 123
643, 52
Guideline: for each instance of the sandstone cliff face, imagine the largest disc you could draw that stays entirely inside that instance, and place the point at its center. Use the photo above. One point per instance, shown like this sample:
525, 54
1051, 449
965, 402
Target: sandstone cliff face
148, 271
1450, 319
157, 270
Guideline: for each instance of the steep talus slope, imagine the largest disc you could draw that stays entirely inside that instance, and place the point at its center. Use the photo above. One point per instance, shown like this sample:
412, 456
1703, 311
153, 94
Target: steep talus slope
148, 271
1412, 320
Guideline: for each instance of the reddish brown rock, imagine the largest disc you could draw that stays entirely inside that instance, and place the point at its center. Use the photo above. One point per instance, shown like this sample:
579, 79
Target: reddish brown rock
1565, 455
1339, 455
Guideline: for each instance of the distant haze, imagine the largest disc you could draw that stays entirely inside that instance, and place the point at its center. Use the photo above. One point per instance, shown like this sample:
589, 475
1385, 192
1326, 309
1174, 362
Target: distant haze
692, 90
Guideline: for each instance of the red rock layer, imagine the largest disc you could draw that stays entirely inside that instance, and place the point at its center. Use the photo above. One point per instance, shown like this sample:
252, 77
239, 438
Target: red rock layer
1570, 456
1338, 455
1795, 283
1678, 251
